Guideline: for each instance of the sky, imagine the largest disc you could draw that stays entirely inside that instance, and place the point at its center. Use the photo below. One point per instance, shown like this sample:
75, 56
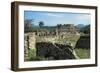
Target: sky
54, 18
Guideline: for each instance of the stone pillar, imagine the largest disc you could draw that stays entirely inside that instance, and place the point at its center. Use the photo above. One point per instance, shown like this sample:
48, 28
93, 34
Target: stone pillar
26, 47
57, 33
29, 43
32, 41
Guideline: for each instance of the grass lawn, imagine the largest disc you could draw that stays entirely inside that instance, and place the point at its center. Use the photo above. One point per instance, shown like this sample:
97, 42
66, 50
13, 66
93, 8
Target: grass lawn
83, 53
32, 56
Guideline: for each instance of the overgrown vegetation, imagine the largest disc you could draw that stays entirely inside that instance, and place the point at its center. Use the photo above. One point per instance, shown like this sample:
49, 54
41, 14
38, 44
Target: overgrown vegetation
32, 56
70, 39
83, 53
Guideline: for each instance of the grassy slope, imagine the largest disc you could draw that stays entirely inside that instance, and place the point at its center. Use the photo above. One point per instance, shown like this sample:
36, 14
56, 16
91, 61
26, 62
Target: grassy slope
83, 53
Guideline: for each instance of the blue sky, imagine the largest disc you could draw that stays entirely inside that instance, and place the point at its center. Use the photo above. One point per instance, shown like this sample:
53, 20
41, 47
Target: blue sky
54, 18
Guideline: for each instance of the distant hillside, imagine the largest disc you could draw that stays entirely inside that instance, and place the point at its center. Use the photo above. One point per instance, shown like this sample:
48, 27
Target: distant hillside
86, 29
80, 26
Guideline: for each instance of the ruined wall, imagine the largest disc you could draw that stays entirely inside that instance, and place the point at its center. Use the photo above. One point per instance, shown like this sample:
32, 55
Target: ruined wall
52, 51
83, 42
29, 43
30, 40
48, 47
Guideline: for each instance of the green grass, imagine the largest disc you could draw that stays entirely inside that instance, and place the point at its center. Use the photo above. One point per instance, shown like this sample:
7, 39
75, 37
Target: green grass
83, 53
32, 56
70, 38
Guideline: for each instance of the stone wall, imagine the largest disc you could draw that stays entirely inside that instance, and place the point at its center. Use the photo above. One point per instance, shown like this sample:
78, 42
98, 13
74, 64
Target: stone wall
49, 47
30, 40
29, 43
54, 51
83, 42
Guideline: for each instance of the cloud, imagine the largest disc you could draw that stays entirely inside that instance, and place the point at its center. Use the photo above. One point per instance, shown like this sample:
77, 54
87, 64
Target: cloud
83, 17
54, 15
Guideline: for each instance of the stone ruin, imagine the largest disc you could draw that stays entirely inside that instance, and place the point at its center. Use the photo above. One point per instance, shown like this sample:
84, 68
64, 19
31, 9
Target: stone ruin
52, 51
29, 43
48, 50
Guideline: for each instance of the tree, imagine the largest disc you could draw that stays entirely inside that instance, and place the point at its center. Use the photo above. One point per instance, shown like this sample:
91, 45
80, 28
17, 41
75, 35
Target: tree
41, 24
28, 25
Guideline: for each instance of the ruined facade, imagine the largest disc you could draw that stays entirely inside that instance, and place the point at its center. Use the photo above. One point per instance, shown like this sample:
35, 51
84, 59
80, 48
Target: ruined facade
66, 28
60, 29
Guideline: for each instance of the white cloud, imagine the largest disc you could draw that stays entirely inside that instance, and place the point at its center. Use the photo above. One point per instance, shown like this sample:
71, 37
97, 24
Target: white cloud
54, 15
83, 17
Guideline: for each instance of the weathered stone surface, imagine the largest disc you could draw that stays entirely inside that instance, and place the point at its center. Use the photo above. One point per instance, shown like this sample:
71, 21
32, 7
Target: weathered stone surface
48, 48
29, 43
54, 51
30, 40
